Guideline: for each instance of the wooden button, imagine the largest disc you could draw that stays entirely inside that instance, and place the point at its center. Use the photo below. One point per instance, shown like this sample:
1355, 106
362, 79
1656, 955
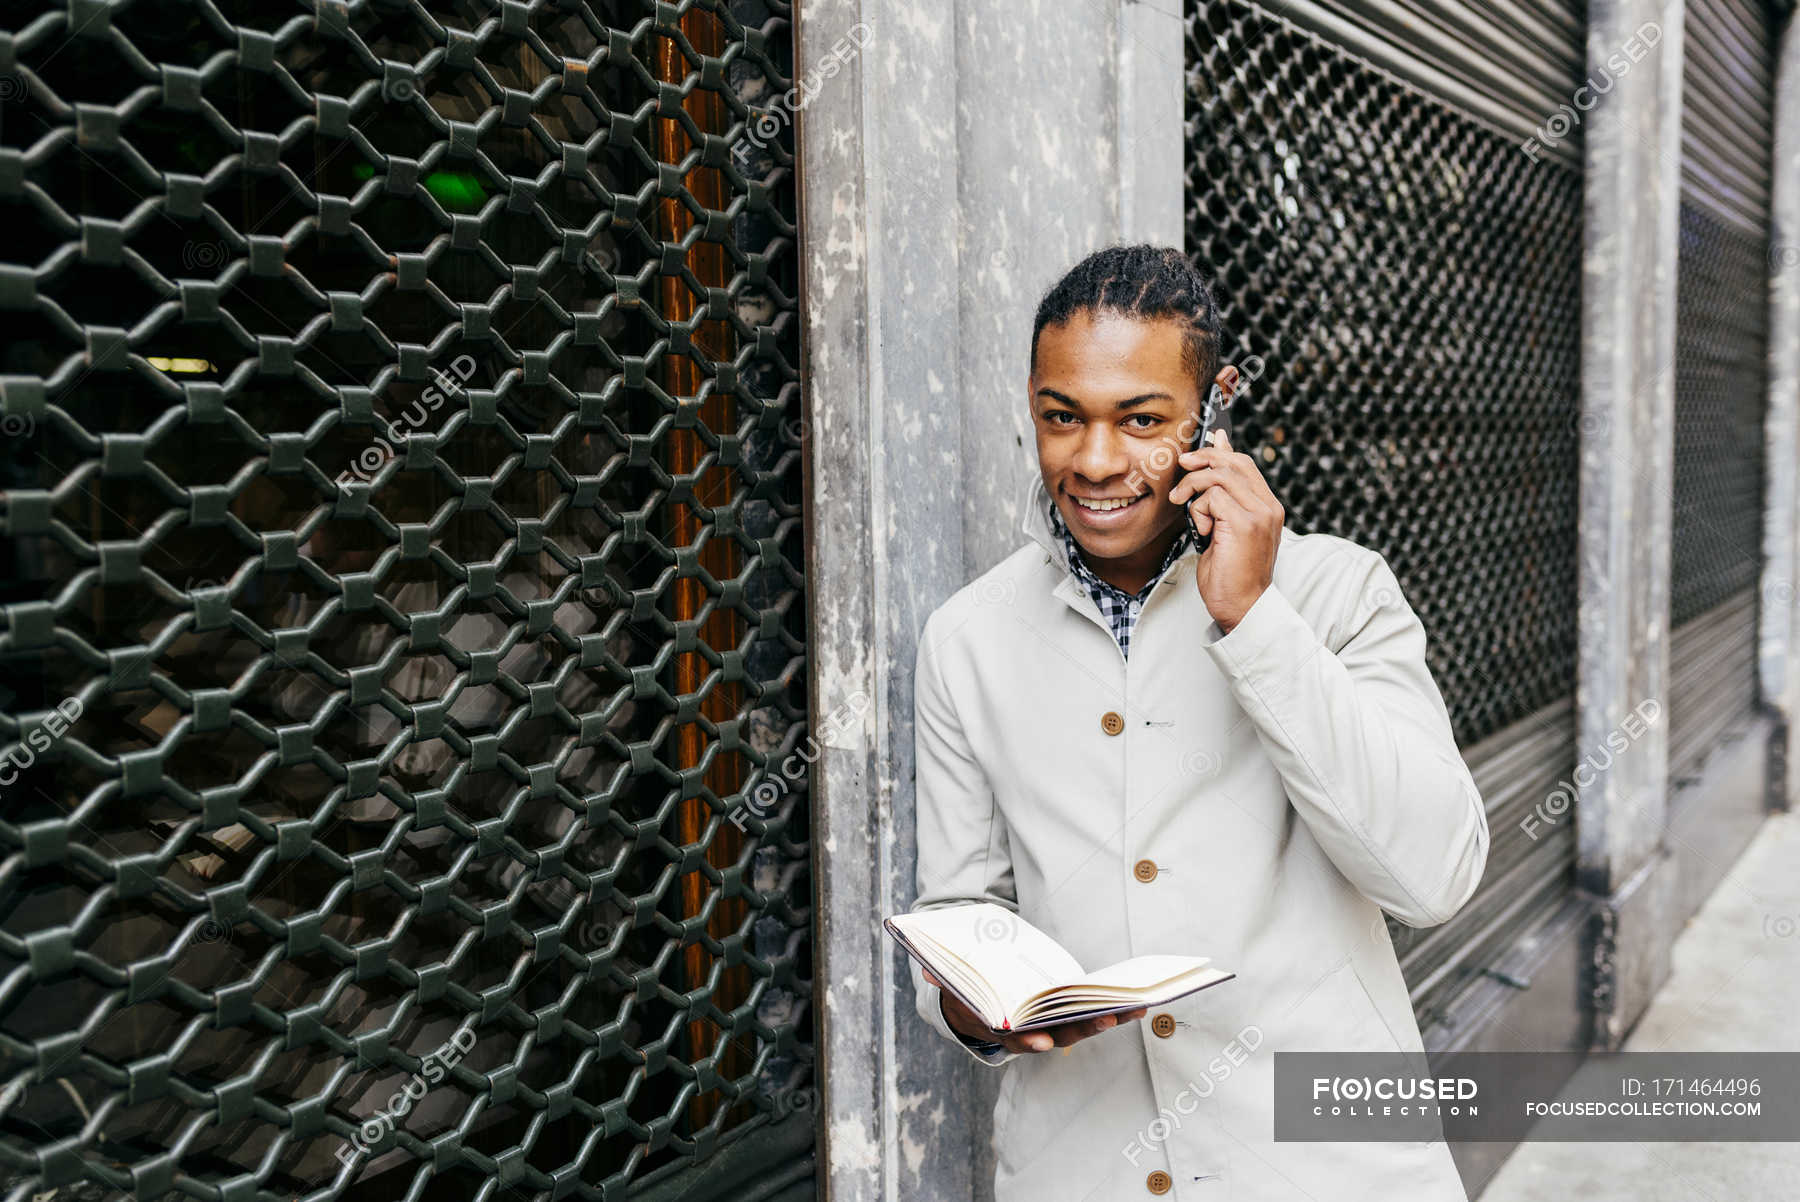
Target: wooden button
1111, 723
1144, 870
1163, 1025
1159, 1182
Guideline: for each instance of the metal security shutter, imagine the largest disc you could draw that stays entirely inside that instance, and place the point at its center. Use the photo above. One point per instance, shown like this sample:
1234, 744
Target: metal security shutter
1411, 281
1727, 115
1721, 373
403, 610
1507, 63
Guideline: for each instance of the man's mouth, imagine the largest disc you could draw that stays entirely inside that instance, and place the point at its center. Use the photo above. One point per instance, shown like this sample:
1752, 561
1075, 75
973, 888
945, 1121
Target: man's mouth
1106, 504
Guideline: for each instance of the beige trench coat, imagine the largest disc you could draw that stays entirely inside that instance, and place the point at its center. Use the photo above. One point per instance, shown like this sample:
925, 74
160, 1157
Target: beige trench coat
1268, 793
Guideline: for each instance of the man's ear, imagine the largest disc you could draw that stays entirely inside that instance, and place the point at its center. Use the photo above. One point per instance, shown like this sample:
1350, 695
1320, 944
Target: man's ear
1227, 380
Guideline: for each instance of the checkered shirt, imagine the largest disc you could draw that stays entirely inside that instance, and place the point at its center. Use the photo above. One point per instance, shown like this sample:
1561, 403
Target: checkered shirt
1119, 608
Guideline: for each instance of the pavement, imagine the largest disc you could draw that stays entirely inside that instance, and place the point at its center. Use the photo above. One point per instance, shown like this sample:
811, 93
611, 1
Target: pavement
1735, 987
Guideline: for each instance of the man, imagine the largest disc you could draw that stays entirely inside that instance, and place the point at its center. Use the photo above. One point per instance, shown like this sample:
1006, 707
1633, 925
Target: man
1142, 748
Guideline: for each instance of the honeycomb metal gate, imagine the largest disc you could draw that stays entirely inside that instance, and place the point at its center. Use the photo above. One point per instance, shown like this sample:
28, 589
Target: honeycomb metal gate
402, 599
1409, 280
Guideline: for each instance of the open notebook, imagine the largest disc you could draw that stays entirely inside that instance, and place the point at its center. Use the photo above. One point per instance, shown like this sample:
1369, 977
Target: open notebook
1017, 978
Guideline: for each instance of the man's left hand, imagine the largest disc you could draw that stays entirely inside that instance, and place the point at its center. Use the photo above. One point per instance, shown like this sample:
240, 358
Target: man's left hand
1229, 499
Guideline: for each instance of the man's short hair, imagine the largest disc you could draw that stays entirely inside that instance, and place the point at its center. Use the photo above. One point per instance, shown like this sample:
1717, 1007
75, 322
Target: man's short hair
1140, 281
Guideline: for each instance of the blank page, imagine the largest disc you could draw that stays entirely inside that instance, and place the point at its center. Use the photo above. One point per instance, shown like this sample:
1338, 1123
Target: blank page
1018, 960
1139, 972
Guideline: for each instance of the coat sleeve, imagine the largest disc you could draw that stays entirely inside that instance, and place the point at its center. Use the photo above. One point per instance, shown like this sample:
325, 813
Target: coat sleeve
1363, 743
963, 854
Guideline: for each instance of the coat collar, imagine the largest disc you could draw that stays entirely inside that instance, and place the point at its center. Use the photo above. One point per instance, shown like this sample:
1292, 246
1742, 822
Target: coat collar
1036, 522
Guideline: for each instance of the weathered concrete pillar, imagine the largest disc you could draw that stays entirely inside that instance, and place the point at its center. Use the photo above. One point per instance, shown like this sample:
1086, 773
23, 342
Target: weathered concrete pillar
951, 168
1779, 638
1633, 198
1152, 139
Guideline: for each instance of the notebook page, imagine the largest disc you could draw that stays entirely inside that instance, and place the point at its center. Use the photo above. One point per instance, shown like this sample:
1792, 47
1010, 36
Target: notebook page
1062, 1006
1139, 972
1017, 960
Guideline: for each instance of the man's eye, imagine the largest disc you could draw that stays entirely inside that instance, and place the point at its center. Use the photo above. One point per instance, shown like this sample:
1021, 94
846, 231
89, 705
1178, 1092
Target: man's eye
1055, 416
1147, 420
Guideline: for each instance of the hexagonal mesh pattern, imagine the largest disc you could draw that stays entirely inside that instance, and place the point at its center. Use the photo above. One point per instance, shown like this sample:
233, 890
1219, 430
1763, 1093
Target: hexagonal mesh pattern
404, 538
1410, 281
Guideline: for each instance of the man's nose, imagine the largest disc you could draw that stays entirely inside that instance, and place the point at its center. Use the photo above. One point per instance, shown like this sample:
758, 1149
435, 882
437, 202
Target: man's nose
1099, 457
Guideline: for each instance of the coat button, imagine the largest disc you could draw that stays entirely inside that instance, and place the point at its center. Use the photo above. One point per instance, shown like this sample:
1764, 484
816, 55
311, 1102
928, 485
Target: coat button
1159, 1182
1163, 1025
1111, 723
1144, 870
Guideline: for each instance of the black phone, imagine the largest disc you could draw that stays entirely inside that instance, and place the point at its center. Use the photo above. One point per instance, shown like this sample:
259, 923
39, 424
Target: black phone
1213, 416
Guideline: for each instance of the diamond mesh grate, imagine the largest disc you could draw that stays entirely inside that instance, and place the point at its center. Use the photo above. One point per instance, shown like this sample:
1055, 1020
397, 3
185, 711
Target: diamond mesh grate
404, 536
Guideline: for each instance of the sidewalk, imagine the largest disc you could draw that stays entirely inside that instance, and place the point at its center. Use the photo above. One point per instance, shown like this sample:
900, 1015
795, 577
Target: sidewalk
1734, 988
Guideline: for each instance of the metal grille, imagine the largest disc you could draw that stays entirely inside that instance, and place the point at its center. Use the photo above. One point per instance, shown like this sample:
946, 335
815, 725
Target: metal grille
1721, 383
402, 597
1721, 333
1410, 280
1721, 374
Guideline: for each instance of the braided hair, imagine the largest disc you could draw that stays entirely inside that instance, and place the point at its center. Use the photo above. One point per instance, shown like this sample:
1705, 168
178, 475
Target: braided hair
1140, 281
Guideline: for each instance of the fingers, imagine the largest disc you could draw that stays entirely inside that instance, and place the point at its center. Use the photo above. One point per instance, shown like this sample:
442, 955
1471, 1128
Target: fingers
1194, 483
1217, 449
1249, 494
1206, 457
1221, 454
1202, 520
1220, 466
1080, 1031
1068, 1034
1219, 506
1029, 1041
1214, 504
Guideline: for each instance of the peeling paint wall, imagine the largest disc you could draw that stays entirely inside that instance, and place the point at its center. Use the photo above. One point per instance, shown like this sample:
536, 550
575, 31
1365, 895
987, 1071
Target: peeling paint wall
951, 168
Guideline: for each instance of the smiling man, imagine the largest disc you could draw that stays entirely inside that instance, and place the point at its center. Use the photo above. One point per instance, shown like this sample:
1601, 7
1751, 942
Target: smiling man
1145, 747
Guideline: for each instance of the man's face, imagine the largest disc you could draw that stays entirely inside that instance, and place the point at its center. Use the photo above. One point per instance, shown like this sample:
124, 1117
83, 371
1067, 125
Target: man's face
1113, 403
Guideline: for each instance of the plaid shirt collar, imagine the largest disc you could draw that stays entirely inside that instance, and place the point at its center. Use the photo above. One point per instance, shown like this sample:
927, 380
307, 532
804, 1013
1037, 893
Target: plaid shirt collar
1120, 609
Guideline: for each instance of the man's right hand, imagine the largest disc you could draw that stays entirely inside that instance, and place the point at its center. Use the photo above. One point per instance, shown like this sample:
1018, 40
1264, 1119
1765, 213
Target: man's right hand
966, 1022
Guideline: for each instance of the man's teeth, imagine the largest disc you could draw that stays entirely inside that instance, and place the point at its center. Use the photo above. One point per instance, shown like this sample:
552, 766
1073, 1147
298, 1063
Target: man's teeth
1103, 506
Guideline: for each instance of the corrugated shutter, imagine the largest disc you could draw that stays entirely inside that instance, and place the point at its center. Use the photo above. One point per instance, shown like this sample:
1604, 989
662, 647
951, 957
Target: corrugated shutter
1728, 118
1721, 372
1507, 63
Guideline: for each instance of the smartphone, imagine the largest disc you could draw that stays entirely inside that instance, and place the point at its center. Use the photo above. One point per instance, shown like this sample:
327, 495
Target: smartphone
1213, 416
